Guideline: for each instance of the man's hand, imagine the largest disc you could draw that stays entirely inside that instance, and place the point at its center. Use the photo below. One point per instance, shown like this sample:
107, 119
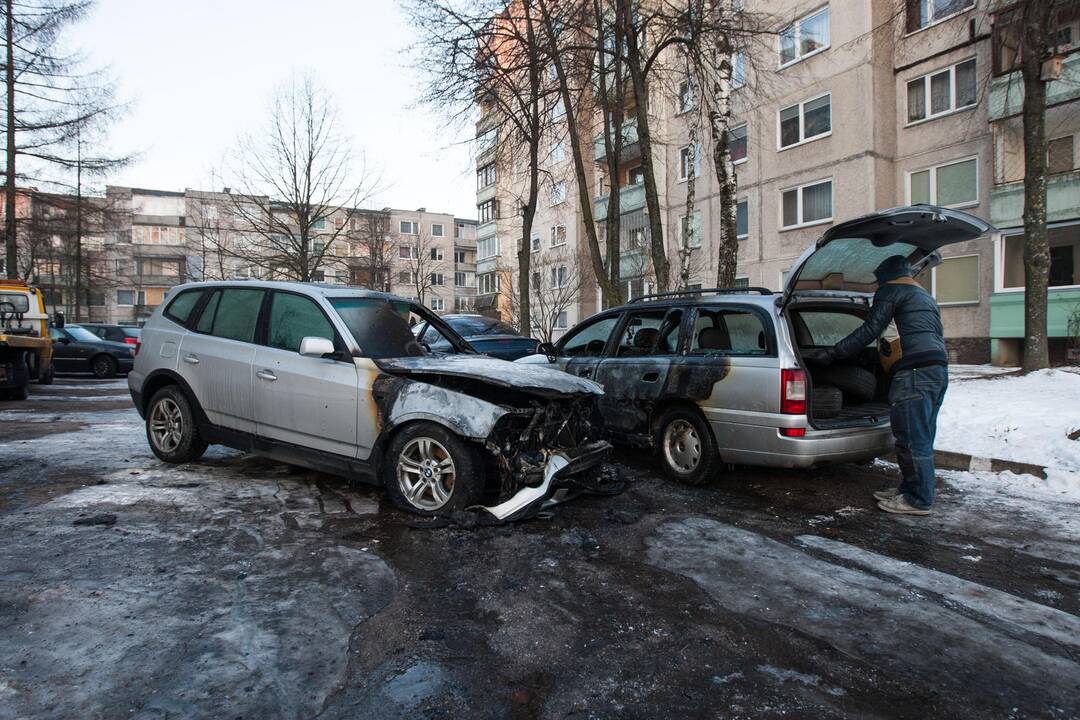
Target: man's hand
819, 356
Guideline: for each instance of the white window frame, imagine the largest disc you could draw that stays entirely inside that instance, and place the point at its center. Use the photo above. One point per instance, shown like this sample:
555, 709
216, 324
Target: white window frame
697, 236
933, 170
134, 297
999, 258
494, 240
486, 140
436, 253
558, 193
803, 140
697, 162
798, 38
685, 90
738, 69
562, 320
953, 108
554, 235
437, 304
799, 204
414, 252
933, 280
413, 225
442, 230
936, 21
747, 156
559, 277
747, 233
437, 279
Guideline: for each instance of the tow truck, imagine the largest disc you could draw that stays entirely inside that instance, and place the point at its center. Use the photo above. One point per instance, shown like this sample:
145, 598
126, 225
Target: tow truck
25, 345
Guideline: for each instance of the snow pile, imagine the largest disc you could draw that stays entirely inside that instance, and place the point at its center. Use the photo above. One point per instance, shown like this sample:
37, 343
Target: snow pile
1026, 418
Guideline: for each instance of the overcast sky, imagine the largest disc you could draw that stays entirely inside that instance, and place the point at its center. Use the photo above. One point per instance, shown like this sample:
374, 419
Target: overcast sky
200, 72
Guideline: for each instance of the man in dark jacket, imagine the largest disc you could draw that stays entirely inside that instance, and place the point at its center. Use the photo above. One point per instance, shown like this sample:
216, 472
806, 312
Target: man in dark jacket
918, 378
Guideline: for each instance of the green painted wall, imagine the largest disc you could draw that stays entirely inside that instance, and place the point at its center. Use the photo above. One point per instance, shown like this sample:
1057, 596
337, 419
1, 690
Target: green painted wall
1007, 313
1062, 200
1006, 96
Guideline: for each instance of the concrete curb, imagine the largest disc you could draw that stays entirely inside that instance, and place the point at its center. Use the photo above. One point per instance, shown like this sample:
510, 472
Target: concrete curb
961, 461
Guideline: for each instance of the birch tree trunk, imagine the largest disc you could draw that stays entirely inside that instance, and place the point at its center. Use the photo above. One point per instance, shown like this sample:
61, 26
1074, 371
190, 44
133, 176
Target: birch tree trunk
720, 126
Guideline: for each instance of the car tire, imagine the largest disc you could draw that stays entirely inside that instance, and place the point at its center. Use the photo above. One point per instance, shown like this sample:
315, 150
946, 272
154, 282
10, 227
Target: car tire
685, 446
857, 383
47, 377
103, 366
19, 393
429, 470
172, 428
826, 401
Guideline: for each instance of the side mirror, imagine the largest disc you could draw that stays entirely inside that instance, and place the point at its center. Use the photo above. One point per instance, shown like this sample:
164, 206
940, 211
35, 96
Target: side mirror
546, 348
58, 320
316, 347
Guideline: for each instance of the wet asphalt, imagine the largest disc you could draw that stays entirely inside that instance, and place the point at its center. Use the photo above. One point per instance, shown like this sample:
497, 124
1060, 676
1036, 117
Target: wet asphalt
241, 588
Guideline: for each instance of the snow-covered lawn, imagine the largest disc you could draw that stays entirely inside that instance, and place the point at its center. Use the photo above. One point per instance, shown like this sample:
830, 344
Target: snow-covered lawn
1026, 418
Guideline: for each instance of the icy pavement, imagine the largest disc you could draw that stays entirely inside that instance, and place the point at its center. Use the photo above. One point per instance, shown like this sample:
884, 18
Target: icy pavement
239, 587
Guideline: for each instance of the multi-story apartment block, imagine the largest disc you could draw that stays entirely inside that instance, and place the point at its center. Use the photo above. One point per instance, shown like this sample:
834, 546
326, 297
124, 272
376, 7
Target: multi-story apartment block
138, 243
845, 109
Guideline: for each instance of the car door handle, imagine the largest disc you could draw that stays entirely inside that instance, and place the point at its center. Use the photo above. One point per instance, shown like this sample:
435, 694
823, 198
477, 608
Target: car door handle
650, 377
266, 375
192, 359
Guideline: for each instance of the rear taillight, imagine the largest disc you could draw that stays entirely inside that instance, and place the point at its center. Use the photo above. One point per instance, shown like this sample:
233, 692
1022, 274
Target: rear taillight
138, 347
793, 432
792, 392
131, 340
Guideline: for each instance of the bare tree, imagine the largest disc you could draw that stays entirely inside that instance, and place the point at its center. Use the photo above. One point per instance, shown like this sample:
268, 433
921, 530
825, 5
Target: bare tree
371, 249
292, 179
558, 277
426, 264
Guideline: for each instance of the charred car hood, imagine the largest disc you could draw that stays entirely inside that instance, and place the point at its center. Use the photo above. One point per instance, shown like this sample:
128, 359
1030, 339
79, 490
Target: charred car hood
538, 380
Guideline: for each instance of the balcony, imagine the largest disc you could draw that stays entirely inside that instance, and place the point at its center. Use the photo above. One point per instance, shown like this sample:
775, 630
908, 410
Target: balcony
630, 199
1062, 200
1007, 312
630, 148
1006, 96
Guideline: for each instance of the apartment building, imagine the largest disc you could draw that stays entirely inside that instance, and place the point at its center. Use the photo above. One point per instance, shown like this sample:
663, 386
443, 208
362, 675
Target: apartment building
138, 243
844, 110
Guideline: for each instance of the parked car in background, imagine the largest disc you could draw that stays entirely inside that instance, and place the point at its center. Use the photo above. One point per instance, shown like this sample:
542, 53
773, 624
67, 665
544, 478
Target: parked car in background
332, 378
489, 336
128, 334
76, 349
716, 376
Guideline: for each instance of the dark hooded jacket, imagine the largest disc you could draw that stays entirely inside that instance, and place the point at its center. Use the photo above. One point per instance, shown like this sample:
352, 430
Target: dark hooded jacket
918, 320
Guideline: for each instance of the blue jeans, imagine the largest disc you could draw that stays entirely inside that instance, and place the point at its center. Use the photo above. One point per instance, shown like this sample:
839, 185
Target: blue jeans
915, 397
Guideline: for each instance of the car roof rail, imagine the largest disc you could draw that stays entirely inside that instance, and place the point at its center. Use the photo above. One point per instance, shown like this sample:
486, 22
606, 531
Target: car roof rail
702, 291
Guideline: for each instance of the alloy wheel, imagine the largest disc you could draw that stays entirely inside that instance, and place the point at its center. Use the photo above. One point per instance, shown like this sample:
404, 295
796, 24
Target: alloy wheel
426, 473
166, 425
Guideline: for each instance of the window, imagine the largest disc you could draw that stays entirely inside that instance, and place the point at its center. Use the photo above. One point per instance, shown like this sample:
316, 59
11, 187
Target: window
460, 279
436, 253
954, 184
534, 242
180, 308
560, 321
408, 252
824, 328
807, 204
487, 283
155, 266
293, 318
737, 143
558, 110
589, 340
685, 232
1064, 258
487, 247
684, 161
742, 282
956, 280
459, 257
742, 219
319, 223
686, 95
405, 277
804, 37
650, 332
437, 279
805, 121
437, 304
485, 176
234, 316
738, 70
948, 90
559, 277
728, 332
437, 230
486, 140
635, 176
1059, 155
488, 211
408, 227
122, 266
923, 13
125, 297
558, 235
558, 192
156, 234
558, 151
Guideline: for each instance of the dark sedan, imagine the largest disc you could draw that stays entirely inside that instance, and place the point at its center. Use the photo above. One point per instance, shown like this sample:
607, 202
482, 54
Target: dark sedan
76, 349
127, 334
486, 335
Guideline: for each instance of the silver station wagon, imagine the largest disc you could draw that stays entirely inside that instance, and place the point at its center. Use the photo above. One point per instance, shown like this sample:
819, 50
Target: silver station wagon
717, 376
332, 378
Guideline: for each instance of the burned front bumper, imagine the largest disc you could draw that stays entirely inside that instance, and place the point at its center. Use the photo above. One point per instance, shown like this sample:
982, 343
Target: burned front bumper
560, 471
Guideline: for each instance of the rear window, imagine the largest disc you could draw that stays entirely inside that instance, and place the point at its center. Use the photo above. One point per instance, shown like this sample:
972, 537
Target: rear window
19, 302
232, 314
823, 328
179, 310
848, 264
481, 326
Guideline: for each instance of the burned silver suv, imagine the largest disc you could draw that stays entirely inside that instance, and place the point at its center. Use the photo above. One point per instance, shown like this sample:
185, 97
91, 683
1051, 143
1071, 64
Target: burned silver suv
332, 378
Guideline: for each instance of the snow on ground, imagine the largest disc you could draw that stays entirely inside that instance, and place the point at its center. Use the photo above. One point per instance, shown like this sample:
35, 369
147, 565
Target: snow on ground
1026, 418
